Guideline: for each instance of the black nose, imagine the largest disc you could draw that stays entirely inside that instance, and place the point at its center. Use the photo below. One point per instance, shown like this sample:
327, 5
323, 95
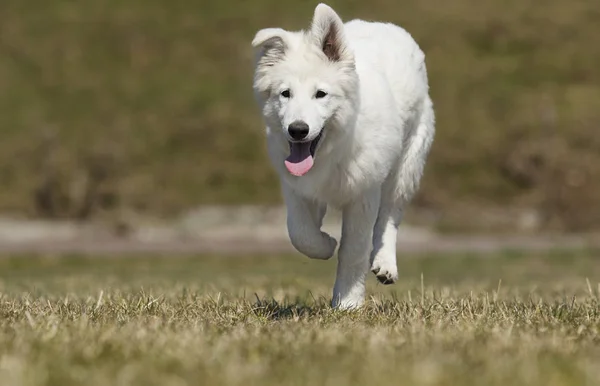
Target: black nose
298, 130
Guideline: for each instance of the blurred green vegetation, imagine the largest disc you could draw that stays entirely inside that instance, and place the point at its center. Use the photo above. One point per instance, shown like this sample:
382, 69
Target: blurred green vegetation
146, 106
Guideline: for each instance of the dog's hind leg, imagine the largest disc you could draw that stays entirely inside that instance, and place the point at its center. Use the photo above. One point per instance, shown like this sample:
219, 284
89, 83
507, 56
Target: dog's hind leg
383, 255
397, 192
304, 220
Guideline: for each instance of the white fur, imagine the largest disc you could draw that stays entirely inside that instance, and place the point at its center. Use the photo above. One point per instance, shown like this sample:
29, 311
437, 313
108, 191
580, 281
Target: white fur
378, 126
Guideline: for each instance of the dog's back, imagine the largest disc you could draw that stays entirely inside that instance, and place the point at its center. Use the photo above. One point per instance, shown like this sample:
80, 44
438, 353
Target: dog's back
390, 51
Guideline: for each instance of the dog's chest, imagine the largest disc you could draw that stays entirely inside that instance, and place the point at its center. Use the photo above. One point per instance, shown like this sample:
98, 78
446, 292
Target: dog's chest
335, 188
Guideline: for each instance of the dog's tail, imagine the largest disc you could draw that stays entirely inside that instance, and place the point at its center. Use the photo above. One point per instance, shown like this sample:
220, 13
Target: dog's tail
415, 154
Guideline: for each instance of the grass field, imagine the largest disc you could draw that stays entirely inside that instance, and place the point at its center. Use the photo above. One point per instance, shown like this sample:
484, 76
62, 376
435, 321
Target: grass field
452, 320
114, 106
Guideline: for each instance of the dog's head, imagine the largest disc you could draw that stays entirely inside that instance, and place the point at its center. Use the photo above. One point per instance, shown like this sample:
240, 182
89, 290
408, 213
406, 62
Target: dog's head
306, 84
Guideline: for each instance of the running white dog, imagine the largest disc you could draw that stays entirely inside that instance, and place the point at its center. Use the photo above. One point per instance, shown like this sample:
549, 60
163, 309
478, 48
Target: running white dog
349, 124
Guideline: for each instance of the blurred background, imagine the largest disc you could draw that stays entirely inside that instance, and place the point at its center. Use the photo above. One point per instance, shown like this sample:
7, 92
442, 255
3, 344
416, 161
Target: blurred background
140, 115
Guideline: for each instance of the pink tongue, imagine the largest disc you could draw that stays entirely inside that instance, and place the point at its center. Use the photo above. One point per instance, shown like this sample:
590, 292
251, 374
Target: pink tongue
300, 161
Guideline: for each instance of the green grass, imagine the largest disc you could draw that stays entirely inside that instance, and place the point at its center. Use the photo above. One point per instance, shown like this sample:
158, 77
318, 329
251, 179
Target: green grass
518, 319
113, 106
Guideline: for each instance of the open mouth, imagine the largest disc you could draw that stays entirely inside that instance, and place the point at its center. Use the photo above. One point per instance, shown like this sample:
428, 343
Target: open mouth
301, 158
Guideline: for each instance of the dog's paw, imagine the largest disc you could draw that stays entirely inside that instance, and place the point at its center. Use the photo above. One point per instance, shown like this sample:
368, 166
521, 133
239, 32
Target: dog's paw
348, 304
348, 294
385, 270
321, 247
324, 249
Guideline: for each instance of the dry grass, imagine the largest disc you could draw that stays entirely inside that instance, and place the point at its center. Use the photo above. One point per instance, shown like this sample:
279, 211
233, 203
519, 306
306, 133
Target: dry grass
266, 321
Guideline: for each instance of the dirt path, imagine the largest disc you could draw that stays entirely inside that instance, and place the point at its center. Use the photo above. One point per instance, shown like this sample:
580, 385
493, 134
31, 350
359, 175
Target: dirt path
257, 245
241, 232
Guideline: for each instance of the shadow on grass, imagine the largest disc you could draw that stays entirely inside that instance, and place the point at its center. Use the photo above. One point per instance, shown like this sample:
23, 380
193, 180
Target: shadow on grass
320, 308
297, 308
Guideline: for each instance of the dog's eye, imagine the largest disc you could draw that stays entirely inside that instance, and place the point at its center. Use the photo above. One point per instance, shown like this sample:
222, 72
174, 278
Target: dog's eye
285, 93
320, 94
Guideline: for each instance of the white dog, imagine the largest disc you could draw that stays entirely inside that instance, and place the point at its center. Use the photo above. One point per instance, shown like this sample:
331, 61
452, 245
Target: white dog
349, 124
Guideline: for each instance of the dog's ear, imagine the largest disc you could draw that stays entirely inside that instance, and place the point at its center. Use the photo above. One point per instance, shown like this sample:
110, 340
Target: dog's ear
270, 44
327, 30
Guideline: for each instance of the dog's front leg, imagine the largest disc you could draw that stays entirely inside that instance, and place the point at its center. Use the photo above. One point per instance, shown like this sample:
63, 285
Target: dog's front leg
353, 256
304, 220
